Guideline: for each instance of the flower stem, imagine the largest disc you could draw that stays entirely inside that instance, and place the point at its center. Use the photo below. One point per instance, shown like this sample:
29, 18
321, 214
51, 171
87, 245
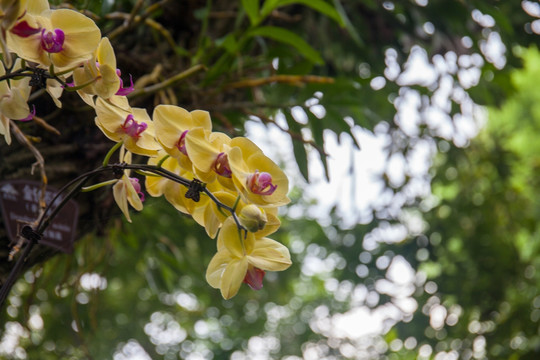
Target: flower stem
162, 160
109, 154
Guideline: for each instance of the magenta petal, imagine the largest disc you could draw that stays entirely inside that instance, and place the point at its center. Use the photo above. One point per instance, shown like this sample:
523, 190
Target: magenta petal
24, 30
254, 278
123, 91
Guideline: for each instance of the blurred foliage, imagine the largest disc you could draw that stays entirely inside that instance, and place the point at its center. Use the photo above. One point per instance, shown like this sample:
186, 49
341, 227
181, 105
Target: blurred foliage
483, 250
472, 269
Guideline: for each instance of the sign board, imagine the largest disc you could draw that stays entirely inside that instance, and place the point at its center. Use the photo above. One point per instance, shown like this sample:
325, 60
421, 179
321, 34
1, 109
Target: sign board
19, 203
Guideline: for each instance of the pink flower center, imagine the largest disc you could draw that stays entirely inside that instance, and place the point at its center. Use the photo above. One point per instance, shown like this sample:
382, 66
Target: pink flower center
123, 91
52, 42
181, 143
260, 183
132, 127
254, 277
221, 165
137, 187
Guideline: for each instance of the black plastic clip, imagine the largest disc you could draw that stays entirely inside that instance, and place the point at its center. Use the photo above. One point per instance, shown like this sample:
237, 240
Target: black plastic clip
39, 78
194, 190
30, 234
118, 170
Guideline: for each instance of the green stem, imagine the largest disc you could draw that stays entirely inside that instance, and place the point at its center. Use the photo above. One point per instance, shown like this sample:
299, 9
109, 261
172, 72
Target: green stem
236, 203
164, 84
79, 87
162, 160
97, 186
109, 154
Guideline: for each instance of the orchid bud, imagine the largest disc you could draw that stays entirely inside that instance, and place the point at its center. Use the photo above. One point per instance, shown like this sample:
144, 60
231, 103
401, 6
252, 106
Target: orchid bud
253, 218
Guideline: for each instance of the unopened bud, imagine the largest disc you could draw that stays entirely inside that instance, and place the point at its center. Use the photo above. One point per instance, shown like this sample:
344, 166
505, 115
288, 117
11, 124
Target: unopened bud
252, 218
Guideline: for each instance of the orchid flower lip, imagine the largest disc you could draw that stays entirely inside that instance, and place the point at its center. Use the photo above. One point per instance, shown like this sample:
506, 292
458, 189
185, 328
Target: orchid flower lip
52, 42
181, 143
221, 165
260, 183
137, 187
123, 91
132, 128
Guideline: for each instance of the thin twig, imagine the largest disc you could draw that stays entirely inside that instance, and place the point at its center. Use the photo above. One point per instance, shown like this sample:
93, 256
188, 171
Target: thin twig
40, 162
169, 82
284, 79
131, 20
41, 122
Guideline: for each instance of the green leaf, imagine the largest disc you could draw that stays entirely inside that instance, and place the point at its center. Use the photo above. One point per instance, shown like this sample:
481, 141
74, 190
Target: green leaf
268, 7
230, 44
298, 146
319, 5
288, 37
317, 130
252, 10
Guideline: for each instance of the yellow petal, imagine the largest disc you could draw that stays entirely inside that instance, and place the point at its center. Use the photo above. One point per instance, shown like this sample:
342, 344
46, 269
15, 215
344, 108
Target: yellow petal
109, 83
272, 225
36, 7
4, 128
232, 277
270, 255
29, 48
109, 116
216, 267
132, 197
14, 106
230, 237
81, 37
119, 193
171, 121
246, 146
105, 54
200, 150
202, 119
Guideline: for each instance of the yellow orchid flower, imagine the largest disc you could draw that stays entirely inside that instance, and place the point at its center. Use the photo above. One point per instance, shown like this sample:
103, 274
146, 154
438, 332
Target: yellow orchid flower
127, 190
258, 179
14, 95
132, 126
62, 37
173, 123
243, 260
10, 11
99, 73
13, 101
